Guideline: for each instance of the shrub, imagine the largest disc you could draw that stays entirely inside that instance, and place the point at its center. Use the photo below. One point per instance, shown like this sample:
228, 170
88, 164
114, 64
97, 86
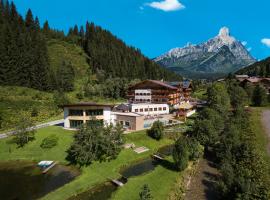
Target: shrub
34, 112
49, 142
157, 130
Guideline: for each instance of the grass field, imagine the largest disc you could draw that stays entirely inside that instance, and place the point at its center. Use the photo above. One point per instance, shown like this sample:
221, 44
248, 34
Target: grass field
97, 172
160, 181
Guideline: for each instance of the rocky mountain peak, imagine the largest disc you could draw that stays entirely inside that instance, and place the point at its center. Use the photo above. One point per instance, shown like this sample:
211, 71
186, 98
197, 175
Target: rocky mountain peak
224, 35
222, 54
224, 32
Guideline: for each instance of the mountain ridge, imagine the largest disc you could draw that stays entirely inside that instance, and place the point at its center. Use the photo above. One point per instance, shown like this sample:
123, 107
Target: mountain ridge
211, 56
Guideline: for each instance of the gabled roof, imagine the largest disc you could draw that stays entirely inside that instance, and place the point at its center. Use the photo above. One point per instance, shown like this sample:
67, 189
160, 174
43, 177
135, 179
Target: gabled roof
156, 82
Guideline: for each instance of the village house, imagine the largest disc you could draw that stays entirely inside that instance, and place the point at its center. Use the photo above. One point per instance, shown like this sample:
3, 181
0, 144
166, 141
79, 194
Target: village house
244, 80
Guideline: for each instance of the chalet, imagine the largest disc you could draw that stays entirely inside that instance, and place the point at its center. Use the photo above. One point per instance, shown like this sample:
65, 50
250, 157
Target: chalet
265, 82
156, 92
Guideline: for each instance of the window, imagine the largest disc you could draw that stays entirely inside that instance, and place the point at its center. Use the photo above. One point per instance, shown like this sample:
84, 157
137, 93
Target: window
164, 108
151, 109
146, 110
76, 123
141, 110
127, 124
148, 100
94, 112
95, 123
136, 110
160, 109
75, 112
155, 109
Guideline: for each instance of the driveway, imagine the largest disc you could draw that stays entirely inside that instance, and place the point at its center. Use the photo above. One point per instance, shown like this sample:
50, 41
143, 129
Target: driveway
51, 123
266, 124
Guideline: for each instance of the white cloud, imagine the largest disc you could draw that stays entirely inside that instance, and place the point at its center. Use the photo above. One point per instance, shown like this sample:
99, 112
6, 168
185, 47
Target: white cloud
266, 41
167, 5
249, 49
244, 43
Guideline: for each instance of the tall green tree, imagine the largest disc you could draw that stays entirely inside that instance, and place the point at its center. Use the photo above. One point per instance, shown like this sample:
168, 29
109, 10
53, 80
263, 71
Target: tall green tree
95, 144
24, 131
259, 97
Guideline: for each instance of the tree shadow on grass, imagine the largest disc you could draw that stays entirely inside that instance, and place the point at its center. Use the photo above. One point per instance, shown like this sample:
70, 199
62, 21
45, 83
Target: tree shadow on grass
168, 165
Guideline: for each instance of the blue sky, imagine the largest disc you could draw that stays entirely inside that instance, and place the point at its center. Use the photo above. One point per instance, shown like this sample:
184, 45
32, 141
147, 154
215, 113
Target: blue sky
155, 26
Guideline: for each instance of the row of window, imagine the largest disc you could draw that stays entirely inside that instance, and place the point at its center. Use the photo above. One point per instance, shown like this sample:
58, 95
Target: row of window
79, 123
143, 94
87, 112
150, 109
148, 100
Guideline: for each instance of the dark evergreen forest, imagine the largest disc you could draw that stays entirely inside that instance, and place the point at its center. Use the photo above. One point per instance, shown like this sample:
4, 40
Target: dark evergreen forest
24, 53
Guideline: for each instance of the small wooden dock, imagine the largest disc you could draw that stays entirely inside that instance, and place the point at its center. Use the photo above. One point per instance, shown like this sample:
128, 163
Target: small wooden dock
158, 157
117, 182
48, 168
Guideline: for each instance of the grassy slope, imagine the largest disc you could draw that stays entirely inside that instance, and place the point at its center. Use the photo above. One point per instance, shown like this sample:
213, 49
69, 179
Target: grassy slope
92, 175
60, 51
16, 101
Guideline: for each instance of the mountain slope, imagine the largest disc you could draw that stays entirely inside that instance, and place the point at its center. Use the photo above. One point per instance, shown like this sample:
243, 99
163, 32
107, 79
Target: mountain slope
261, 68
221, 54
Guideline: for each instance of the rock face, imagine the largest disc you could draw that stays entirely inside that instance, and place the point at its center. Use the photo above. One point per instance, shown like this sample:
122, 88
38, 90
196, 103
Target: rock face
219, 55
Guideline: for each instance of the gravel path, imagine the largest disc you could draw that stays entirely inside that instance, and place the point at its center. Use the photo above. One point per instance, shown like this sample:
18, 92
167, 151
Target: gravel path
266, 124
202, 182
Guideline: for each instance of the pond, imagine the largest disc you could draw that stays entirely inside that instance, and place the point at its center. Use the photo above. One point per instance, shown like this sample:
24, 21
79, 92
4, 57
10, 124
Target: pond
105, 191
20, 180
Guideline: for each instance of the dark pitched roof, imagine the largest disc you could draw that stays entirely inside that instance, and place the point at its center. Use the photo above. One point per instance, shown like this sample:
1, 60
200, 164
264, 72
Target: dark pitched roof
186, 84
123, 107
87, 104
164, 84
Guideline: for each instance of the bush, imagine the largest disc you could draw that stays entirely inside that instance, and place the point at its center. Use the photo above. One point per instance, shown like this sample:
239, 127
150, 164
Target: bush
34, 112
157, 130
49, 142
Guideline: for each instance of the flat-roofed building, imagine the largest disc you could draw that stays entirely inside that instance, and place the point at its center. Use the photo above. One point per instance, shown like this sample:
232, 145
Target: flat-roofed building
78, 114
150, 109
130, 121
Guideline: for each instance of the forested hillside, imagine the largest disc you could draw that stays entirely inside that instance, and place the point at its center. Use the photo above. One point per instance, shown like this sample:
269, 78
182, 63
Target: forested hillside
23, 50
261, 68
26, 61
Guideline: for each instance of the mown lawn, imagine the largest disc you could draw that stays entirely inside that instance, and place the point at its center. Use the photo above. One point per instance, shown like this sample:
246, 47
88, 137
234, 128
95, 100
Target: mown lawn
96, 173
160, 181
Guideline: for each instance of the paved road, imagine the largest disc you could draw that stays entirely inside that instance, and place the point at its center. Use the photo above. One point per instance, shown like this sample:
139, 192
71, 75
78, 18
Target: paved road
266, 124
52, 123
